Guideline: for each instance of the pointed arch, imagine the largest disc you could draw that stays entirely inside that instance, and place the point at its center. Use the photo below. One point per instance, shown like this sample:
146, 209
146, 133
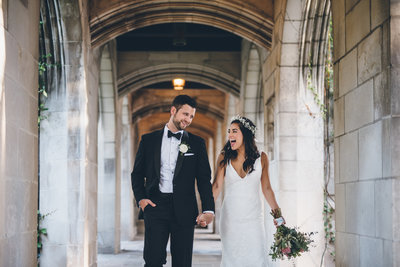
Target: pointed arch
238, 17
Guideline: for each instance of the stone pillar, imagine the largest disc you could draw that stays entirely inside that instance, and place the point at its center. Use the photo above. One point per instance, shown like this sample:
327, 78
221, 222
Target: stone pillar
128, 225
68, 146
251, 97
109, 195
232, 109
367, 129
219, 144
296, 151
19, 24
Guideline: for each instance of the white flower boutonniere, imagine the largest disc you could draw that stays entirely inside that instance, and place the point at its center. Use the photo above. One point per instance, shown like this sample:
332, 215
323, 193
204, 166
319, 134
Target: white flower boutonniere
183, 148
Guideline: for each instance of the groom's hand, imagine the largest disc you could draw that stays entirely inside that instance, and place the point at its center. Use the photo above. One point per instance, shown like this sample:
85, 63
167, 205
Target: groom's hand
144, 202
204, 219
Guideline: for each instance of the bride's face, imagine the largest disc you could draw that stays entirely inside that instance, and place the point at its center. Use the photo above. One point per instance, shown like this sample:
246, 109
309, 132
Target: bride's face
235, 136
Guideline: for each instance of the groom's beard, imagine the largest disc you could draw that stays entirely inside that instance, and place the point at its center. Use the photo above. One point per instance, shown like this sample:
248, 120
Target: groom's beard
179, 125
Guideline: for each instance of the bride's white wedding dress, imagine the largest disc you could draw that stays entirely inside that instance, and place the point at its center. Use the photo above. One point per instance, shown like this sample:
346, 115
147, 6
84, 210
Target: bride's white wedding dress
242, 220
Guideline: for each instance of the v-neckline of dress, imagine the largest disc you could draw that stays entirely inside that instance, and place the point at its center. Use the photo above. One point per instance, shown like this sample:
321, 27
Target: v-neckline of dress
242, 178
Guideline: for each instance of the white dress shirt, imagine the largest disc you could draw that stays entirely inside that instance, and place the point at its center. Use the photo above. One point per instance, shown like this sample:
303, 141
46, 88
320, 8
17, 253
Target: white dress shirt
169, 156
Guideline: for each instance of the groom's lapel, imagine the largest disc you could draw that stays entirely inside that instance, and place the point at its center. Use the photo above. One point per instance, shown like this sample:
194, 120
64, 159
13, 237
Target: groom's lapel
178, 167
157, 152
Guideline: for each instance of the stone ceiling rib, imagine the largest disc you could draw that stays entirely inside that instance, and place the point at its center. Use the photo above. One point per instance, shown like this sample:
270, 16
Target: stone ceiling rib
190, 72
236, 17
160, 107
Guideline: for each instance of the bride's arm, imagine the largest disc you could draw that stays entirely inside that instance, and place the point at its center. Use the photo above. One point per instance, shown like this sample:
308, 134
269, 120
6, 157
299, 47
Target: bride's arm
219, 178
265, 183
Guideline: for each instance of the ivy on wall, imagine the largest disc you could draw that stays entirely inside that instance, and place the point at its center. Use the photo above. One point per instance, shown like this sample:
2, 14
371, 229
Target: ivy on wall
324, 103
45, 65
42, 90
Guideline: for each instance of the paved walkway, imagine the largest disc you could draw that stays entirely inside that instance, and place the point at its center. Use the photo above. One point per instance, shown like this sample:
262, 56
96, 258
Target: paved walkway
206, 253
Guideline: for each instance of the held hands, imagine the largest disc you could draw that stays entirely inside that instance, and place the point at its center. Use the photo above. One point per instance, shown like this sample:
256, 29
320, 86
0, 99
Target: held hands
144, 202
204, 219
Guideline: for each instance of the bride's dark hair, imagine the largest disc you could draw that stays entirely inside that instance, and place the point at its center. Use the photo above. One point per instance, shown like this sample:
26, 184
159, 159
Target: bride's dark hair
251, 151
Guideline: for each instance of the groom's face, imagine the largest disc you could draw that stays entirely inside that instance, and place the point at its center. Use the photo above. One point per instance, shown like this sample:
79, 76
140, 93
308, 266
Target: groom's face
183, 117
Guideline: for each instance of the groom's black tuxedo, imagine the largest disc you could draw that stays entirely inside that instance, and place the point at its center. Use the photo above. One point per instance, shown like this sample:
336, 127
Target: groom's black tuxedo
190, 167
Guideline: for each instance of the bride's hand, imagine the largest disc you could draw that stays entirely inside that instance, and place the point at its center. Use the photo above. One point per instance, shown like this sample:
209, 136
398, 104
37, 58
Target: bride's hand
204, 219
279, 221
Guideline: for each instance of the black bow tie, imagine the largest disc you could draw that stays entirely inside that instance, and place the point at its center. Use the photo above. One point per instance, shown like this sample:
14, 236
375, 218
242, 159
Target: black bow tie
176, 135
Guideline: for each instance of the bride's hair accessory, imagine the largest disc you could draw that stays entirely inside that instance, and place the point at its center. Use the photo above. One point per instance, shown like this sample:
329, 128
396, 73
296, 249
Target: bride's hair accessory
246, 123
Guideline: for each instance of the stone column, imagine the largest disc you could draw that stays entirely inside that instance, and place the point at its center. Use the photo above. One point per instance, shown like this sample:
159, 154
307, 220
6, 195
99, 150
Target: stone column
68, 149
232, 109
128, 225
19, 24
367, 129
251, 90
296, 156
109, 196
219, 143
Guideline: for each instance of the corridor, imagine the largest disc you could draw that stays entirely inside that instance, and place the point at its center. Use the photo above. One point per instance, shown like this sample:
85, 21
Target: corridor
82, 80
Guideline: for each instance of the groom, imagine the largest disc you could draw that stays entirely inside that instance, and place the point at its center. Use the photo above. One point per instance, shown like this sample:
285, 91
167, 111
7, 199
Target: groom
167, 164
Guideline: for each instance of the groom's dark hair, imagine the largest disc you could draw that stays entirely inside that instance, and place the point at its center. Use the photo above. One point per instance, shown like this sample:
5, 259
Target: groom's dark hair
181, 100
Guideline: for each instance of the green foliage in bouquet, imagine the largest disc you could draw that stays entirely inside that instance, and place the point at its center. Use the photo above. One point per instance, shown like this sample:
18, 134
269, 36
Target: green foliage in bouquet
289, 242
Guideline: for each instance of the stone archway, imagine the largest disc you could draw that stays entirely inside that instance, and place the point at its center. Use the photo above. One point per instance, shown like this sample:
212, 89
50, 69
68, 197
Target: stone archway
252, 20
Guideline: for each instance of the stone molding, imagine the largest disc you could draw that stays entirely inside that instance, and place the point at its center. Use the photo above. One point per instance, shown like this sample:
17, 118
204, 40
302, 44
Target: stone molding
233, 16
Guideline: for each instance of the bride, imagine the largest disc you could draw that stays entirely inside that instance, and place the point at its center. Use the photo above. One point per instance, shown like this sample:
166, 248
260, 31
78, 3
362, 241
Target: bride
243, 173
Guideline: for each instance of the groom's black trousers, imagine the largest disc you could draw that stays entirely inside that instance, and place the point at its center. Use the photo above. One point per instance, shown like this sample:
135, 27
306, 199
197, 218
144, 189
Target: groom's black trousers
160, 223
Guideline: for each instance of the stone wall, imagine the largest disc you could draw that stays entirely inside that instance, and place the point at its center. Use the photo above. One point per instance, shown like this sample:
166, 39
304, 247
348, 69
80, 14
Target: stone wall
19, 21
366, 132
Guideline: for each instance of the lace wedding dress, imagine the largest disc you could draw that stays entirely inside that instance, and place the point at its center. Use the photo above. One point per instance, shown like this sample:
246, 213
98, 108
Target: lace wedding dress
242, 220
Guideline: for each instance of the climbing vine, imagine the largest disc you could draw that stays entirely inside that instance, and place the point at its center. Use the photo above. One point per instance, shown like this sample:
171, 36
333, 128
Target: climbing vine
329, 201
324, 103
310, 86
44, 66
41, 232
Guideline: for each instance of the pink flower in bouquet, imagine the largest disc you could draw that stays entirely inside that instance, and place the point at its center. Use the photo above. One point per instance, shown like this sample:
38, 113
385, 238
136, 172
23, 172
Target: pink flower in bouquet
286, 250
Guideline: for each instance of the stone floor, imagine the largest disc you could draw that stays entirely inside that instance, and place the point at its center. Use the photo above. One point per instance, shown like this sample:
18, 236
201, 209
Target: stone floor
206, 253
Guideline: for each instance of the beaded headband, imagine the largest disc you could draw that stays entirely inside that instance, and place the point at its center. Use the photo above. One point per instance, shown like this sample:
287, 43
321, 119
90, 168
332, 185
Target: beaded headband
245, 123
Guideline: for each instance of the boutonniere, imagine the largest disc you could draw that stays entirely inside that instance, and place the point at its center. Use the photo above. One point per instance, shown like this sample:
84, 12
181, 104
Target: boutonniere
183, 148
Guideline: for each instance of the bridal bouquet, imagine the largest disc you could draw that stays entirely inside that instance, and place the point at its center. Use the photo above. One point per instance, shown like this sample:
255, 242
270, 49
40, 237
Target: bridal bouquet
288, 242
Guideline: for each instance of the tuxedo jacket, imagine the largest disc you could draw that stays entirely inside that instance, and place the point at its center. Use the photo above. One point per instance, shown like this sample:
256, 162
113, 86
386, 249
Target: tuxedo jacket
191, 166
